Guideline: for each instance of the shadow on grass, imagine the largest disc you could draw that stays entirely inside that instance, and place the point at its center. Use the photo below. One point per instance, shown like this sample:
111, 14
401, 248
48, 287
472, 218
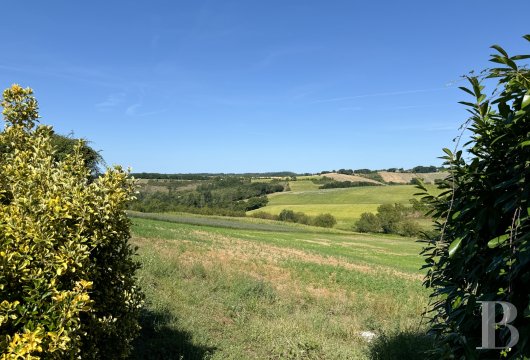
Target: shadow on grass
158, 340
405, 345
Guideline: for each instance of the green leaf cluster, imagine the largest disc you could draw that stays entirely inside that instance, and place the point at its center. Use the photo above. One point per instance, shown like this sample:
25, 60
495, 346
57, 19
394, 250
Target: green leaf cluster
67, 274
483, 252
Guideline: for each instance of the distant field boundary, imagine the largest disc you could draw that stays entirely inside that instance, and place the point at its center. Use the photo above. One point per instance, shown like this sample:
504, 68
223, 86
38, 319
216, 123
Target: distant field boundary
229, 223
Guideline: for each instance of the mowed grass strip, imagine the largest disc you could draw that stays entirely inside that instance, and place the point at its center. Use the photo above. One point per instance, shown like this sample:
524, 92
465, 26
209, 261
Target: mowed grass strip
357, 195
224, 293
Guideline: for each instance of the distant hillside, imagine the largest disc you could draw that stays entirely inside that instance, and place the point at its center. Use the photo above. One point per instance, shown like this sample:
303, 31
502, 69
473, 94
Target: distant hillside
405, 178
352, 178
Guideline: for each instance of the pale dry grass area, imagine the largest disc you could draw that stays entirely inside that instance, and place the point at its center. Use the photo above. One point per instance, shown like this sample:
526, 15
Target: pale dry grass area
246, 294
405, 178
352, 178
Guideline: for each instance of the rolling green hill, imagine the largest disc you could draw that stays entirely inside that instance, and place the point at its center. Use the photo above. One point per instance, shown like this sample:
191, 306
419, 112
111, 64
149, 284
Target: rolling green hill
236, 291
345, 204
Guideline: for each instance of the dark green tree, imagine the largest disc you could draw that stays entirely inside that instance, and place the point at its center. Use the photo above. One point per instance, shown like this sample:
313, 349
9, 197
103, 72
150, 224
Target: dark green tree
390, 216
483, 252
64, 145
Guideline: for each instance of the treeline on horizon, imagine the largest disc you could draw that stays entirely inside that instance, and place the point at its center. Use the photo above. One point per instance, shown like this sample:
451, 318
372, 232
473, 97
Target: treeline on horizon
417, 169
206, 176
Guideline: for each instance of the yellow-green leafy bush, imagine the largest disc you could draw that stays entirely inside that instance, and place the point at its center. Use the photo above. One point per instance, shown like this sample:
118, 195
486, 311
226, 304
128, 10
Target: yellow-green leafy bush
67, 274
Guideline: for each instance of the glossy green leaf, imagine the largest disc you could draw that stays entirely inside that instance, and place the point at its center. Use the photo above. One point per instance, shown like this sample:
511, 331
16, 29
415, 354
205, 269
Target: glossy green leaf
493, 243
466, 90
499, 49
526, 100
520, 57
455, 245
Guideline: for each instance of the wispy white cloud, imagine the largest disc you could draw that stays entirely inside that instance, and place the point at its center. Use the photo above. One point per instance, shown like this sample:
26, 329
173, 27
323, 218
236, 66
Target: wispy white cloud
275, 55
407, 107
391, 93
350, 108
134, 110
112, 101
73, 73
433, 127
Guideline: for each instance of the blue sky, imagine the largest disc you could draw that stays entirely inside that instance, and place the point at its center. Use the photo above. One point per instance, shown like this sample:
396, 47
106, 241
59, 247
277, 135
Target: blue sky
248, 86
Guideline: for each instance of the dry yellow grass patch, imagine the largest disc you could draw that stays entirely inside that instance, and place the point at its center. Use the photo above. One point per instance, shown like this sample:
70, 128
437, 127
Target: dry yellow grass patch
353, 178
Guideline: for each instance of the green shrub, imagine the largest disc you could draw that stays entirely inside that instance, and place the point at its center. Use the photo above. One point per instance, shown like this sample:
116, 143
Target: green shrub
483, 215
324, 220
287, 215
301, 218
390, 217
368, 223
264, 215
415, 181
408, 227
67, 280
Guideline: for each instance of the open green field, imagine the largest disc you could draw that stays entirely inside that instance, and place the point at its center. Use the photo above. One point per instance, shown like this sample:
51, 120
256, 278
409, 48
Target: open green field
280, 292
346, 205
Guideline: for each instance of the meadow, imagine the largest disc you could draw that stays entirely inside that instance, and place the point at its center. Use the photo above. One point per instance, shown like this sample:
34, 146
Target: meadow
258, 289
346, 205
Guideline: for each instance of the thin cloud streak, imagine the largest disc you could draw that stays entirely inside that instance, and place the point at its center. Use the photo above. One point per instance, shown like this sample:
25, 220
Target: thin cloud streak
405, 92
133, 111
70, 73
111, 102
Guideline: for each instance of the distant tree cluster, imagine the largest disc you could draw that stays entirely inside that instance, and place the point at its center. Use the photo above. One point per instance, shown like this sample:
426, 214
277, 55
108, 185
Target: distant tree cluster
208, 176
417, 169
390, 219
321, 220
345, 171
171, 176
424, 169
229, 195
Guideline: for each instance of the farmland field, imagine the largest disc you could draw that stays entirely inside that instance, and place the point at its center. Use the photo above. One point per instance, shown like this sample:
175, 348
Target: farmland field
287, 291
346, 204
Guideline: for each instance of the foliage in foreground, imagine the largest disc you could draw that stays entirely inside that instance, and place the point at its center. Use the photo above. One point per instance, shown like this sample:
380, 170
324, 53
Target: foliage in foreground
484, 250
67, 285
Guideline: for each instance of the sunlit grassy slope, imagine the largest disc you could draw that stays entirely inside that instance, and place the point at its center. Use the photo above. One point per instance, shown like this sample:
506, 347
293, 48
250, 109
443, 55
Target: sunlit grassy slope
345, 204
284, 292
